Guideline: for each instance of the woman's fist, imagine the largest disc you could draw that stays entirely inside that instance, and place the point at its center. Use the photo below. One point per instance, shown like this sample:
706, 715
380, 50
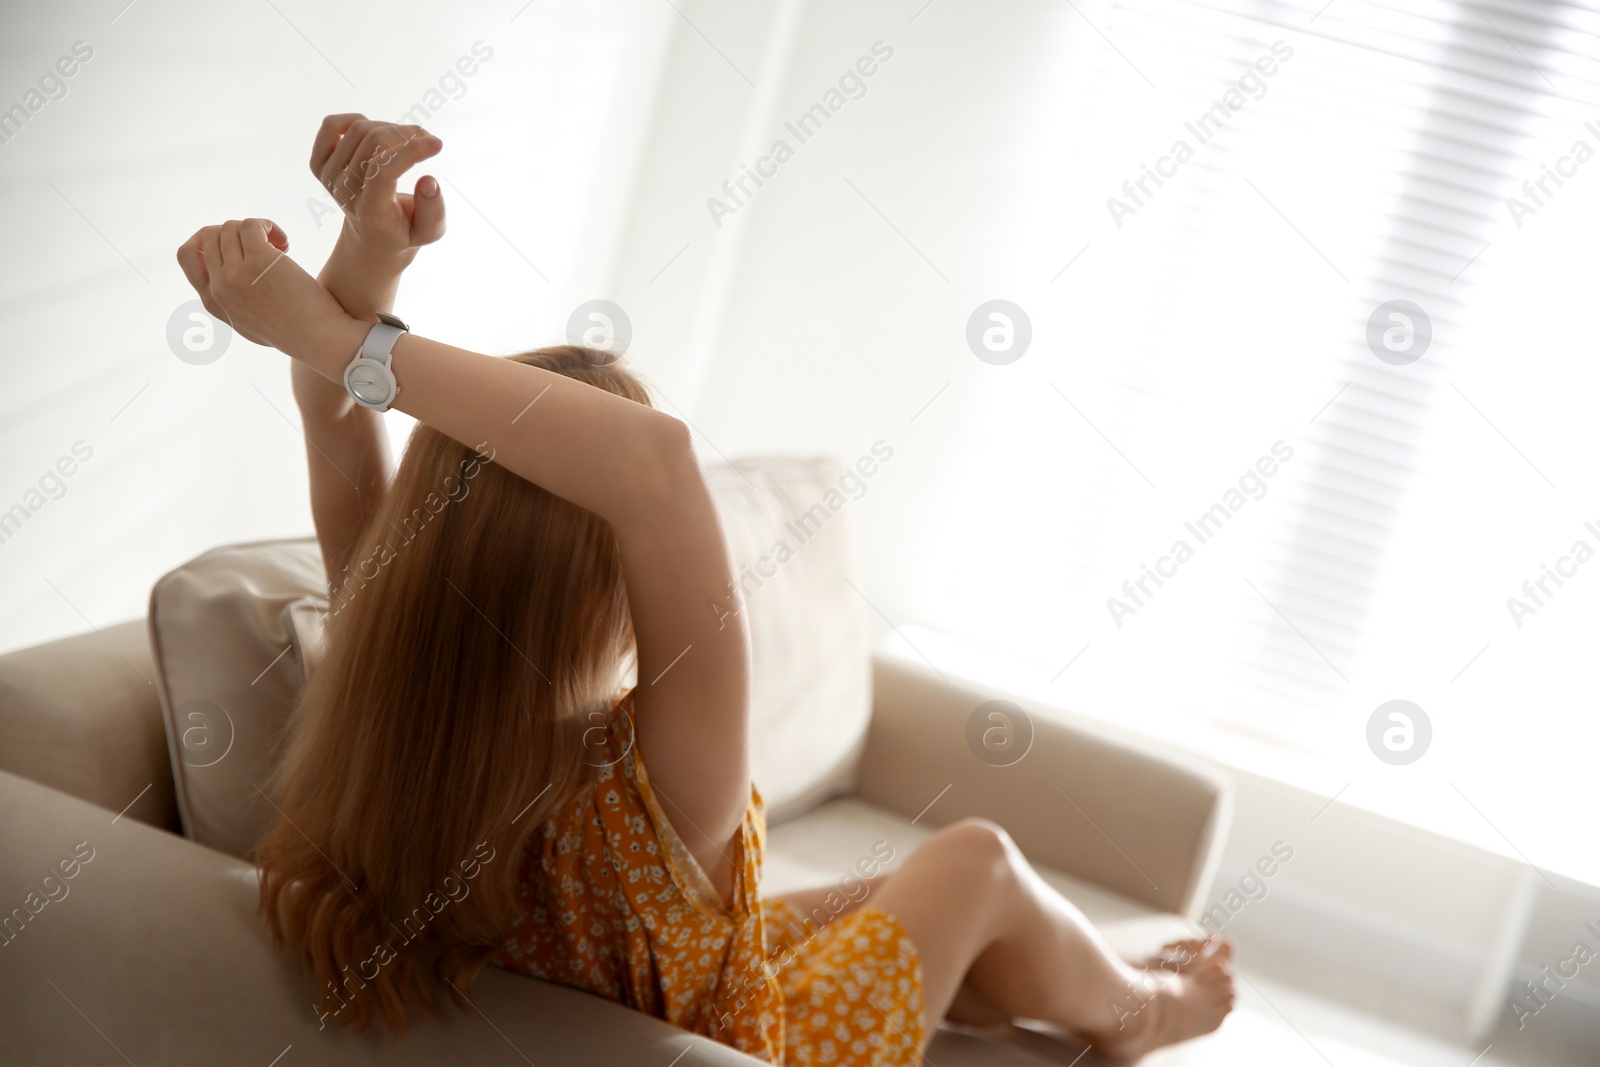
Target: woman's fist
359, 161
244, 276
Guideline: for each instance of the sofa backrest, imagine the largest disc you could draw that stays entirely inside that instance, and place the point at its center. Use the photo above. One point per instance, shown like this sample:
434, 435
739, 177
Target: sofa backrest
234, 631
81, 715
150, 951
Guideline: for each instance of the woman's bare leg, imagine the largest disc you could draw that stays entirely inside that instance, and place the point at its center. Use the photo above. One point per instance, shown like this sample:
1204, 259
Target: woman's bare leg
969, 1006
980, 915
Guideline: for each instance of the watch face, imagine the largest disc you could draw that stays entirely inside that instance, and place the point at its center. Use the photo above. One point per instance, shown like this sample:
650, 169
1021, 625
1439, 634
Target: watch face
368, 384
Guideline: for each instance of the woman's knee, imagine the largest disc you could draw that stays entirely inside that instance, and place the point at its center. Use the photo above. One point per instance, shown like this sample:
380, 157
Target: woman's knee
978, 846
956, 894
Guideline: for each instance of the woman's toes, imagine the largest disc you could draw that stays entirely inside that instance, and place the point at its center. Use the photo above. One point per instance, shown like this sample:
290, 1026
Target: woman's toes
1180, 955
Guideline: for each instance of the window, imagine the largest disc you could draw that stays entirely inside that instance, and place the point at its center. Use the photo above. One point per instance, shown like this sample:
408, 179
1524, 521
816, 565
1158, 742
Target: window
1262, 181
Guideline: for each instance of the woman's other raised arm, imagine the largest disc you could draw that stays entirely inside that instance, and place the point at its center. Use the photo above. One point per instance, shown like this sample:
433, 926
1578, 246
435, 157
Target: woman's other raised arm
633, 466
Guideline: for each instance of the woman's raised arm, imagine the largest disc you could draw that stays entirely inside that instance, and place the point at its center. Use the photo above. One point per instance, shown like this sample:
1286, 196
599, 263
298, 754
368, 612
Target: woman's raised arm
632, 465
359, 162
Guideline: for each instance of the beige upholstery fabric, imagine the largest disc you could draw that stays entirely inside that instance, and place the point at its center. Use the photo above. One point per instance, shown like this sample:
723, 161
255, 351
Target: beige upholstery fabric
811, 697
82, 715
1146, 826
220, 629
234, 629
820, 847
157, 943
154, 956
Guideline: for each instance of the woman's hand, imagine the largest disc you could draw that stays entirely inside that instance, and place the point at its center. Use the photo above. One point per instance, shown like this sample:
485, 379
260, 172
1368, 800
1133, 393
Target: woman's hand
359, 161
245, 277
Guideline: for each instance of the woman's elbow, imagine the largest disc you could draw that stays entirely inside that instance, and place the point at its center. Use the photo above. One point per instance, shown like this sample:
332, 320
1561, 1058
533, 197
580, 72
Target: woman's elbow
672, 452
665, 465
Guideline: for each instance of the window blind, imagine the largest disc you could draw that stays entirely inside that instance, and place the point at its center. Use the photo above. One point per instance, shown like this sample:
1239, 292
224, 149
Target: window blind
1235, 293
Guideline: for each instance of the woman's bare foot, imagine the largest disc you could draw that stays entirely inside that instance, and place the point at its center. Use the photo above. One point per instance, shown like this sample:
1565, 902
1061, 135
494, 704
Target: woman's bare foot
1176, 956
1184, 991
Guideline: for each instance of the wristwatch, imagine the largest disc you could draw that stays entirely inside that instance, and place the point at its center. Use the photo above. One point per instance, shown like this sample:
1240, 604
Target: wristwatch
369, 378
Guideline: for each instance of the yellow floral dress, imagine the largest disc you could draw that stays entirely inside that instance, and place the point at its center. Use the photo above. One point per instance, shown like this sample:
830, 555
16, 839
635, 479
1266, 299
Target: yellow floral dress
614, 903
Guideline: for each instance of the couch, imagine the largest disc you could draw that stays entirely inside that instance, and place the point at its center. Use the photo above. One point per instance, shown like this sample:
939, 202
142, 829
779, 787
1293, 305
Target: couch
151, 953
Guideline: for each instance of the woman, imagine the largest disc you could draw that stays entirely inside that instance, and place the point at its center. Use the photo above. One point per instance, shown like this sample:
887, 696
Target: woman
464, 785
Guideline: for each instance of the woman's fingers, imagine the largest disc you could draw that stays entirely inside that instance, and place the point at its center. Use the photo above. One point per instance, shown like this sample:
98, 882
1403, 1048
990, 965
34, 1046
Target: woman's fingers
333, 174
232, 249
388, 153
274, 235
194, 266
360, 162
427, 212
262, 241
333, 127
193, 263
211, 249
217, 250
251, 284
385, 152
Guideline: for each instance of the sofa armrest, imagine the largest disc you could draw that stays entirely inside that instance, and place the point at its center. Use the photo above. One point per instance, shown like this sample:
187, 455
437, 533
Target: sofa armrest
82, 715
154, 947
1146, 825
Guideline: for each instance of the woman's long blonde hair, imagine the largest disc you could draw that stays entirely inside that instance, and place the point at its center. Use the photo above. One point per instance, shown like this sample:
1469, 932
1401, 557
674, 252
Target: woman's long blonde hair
482, 621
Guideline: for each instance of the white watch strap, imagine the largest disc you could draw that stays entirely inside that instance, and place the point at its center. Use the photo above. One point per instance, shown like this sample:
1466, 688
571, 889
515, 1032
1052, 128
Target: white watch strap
380, 342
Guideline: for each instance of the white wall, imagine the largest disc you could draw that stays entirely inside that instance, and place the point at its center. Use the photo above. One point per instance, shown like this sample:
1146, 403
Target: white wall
193, 113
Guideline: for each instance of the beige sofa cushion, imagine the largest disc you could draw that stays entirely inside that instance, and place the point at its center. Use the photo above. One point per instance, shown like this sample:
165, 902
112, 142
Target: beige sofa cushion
811, 680
223, 638
233, 630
